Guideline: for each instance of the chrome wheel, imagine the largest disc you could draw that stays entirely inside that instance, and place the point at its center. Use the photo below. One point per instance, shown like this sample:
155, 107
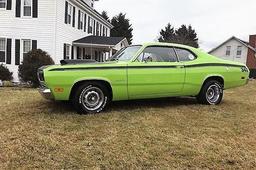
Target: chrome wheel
213, 94
92, 98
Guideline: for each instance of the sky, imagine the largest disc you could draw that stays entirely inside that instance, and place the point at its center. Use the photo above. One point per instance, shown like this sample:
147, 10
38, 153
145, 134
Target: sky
214, 20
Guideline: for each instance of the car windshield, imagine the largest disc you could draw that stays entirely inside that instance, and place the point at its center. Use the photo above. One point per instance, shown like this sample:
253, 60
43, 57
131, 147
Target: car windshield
125, 54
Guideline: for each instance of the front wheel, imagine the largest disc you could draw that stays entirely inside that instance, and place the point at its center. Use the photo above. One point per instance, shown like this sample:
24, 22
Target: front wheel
211, 93
90, 98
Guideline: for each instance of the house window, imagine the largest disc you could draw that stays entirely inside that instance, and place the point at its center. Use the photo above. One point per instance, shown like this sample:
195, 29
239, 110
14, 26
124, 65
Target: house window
27, 8
239, 51
69, 16
27, 47
81, 22
3, 3
97, 29
228, 51
2, 49
68, 51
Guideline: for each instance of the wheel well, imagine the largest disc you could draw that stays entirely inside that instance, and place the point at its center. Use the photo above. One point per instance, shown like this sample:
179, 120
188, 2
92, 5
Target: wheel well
216, 78
105, 83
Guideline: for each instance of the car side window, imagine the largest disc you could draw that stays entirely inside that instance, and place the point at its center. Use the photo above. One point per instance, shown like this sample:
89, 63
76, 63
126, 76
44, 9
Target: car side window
185, 55
158, 54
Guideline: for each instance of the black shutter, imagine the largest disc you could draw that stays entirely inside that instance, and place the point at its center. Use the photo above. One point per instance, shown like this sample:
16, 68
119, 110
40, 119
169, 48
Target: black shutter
83, 53
72, 52
64, 51
9, 51
17, 52
89, 20
74, 16
9, 5
66, 12
35, 8
79, 16
18, 8
77, 53
34, 44
85, 16
94, 27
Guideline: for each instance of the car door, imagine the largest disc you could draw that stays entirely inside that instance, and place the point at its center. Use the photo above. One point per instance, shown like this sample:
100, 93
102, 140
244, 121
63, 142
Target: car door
155, 73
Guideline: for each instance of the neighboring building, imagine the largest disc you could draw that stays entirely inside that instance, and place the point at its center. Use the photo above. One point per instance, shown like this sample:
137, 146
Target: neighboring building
53, 26
235, 49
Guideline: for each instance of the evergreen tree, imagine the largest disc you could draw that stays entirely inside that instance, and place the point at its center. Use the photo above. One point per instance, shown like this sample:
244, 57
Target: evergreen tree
184, 35
104, 14
167, 34
187, 36
122, 27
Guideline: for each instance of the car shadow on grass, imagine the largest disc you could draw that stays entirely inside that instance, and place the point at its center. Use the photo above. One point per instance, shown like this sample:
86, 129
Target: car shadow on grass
67, 108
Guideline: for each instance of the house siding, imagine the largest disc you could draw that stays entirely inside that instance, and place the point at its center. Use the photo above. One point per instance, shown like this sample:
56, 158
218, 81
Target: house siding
221, 51
48, 29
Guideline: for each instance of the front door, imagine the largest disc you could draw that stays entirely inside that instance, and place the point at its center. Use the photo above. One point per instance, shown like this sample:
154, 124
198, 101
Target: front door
156, 73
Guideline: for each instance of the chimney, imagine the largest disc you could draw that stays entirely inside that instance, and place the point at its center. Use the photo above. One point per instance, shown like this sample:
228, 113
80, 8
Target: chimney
252, 41
251, 56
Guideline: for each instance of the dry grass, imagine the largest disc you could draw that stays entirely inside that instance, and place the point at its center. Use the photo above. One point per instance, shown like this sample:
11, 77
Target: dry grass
156, 134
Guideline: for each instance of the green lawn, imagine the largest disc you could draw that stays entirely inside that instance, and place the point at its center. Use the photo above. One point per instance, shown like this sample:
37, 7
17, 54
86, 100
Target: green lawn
152, 134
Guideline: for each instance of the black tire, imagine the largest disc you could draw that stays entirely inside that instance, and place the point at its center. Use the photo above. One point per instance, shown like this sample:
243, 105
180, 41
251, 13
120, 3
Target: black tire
90, 98
211, 93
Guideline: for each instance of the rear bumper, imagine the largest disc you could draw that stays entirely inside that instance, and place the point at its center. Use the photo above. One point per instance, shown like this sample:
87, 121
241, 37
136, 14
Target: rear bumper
46, 93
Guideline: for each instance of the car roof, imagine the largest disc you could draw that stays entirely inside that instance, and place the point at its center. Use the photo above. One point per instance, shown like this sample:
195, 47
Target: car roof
167, 44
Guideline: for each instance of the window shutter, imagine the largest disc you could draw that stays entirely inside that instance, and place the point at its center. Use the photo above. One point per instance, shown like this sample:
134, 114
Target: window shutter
85, 17
35, 8
94, 27
72, 52
66, 12
64, 51
74, 16
83, 53
9, 51
77, 53
17, 52
18, 8
79, 16
34, 44
9, 5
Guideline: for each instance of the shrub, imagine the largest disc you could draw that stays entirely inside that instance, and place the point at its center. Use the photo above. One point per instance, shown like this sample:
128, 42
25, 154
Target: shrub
31, 62
5, 74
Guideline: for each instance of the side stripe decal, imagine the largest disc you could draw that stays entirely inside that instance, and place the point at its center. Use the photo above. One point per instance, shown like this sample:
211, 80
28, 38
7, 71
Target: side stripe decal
145, 67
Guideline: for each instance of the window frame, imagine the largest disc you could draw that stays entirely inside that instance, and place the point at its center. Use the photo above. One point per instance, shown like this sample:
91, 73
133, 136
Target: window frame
22, 47
5, 5
228, 52
5, 50
239, 51
81, 22
142, 60
68, 55
23, 9
185, 50
70, 15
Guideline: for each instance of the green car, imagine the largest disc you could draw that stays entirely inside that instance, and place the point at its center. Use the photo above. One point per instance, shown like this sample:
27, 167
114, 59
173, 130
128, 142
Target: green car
151, 70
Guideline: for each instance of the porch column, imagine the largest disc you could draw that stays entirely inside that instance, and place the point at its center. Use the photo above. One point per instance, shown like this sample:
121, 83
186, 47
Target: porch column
110, 52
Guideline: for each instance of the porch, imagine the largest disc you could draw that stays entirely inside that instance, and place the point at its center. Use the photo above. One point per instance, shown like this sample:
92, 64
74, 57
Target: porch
97, 48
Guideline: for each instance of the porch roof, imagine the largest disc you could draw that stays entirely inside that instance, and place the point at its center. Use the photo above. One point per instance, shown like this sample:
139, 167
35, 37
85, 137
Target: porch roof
99, 41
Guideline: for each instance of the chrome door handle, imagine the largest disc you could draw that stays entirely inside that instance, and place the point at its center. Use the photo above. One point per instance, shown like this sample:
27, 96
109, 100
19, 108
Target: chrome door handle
180, 66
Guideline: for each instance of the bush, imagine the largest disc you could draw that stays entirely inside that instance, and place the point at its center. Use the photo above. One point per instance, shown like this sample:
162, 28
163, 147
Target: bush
31, 62
5, 74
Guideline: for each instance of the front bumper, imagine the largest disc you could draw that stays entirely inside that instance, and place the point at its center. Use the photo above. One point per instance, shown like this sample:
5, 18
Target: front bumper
46, 93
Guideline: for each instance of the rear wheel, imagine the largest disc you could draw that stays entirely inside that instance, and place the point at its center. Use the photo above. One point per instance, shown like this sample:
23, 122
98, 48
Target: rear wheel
211, 93
90, 98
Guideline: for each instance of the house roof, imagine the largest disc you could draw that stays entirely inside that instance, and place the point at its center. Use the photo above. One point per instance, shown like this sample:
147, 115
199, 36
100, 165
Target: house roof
99, 40
245, 43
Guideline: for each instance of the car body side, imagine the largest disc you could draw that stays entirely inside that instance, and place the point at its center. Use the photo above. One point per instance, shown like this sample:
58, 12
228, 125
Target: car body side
140, 80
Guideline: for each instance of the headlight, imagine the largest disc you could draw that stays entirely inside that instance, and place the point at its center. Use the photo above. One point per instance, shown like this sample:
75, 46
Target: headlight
40, 75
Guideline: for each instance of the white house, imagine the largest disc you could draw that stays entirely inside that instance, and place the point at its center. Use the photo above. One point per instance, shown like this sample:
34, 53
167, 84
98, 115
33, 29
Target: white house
66, 29
233, 49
